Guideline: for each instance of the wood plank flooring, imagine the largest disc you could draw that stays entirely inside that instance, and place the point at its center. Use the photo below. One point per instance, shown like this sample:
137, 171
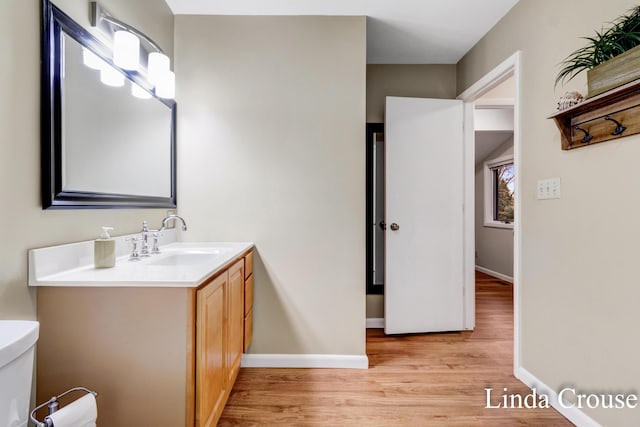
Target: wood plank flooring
412, 380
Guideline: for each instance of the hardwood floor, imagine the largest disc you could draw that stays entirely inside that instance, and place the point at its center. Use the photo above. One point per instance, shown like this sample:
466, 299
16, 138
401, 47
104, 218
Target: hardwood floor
412, 380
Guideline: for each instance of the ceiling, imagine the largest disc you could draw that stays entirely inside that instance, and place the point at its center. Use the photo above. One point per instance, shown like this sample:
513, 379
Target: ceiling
398, 31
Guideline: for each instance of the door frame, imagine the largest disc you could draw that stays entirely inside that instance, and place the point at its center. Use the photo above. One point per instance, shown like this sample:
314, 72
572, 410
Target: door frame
509, 67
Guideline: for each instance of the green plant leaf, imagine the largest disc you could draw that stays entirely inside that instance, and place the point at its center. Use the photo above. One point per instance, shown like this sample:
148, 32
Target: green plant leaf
622, 34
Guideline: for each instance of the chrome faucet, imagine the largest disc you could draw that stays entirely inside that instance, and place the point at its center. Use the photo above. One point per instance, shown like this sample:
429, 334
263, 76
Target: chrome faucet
170, 217
155, 234
144, 247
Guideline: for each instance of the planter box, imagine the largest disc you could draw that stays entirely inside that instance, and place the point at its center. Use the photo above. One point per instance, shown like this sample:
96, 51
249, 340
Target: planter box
615, 72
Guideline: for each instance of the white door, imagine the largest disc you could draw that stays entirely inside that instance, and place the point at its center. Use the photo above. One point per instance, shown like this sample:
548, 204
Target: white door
424, 215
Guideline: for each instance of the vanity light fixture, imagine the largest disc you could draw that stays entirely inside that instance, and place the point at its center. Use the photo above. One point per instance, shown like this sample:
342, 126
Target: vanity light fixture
126, 50
157, 67
129, 54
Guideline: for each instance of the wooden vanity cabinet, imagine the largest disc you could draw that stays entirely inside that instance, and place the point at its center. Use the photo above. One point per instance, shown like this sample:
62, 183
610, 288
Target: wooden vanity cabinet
163, 356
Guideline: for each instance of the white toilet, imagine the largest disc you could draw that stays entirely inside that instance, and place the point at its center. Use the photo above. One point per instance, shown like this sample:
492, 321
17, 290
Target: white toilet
17, 343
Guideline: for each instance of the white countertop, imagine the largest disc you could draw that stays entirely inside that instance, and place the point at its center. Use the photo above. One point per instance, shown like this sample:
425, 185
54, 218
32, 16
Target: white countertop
180, 264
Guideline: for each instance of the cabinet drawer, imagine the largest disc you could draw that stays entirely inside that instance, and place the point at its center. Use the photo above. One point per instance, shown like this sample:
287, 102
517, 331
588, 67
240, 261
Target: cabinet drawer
248, 295
248, 264
248, 330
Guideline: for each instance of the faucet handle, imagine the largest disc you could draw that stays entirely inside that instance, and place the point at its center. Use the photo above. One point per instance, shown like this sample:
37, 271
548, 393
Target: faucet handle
154, 247
135, 255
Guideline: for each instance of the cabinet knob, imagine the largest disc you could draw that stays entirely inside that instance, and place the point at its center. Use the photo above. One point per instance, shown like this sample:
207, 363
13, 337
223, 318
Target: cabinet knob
395, 227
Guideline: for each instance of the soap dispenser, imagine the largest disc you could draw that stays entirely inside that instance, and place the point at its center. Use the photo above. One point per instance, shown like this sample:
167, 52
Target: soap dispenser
104, 250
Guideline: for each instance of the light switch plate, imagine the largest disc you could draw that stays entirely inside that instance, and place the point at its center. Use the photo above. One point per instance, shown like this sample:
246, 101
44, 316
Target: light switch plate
549, 188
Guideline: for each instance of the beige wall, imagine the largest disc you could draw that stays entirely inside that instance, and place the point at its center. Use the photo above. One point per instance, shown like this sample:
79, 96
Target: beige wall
271, 129
422, 81
414, 80
375, 306
494, 246
25, 224
579, 256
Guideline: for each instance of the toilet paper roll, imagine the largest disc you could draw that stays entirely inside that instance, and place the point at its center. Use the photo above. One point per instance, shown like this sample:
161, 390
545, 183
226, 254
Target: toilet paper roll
80, 413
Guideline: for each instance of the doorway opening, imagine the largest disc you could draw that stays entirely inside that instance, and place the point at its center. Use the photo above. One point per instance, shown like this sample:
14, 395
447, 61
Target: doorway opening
508, 71
495, 181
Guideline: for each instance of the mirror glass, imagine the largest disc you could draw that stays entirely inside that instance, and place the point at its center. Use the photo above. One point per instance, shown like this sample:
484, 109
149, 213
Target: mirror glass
112, 141
103, 147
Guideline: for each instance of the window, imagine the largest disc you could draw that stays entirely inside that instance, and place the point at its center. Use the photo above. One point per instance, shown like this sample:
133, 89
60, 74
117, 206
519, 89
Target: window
499, 177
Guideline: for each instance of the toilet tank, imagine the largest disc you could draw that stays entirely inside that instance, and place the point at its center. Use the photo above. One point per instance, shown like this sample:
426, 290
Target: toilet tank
17, 342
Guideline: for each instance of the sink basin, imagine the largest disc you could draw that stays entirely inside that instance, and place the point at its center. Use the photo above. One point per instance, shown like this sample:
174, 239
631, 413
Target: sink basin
182, 259
186, 258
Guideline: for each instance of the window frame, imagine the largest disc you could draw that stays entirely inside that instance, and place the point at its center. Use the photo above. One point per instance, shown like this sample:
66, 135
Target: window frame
490, 192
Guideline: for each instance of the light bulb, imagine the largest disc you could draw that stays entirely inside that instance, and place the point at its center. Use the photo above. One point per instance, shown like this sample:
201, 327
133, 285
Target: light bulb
166, 87
126, 50
139, 92
92, 60
111, 77
157, 67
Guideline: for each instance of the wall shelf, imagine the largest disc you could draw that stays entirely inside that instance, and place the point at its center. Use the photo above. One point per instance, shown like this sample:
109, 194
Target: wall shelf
610, 115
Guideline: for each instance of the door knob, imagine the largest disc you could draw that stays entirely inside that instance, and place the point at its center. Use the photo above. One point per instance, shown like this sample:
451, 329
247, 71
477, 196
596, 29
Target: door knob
395, 227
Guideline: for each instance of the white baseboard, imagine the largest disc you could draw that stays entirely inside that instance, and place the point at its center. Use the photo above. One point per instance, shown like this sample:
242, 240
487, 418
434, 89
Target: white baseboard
494, 274
304, 361
573, 414
375, 322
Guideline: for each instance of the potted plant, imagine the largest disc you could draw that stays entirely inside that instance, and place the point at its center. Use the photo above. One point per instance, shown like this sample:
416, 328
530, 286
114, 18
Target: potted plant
611, 58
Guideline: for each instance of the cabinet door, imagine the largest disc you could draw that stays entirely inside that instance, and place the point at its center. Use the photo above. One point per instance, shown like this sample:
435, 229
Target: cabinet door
248, 329
211, 381
248, 264
248, 311
248, 295
235, 320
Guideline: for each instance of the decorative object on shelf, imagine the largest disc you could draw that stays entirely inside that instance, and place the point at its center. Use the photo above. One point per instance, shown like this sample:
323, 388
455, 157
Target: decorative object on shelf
615, 72
569, 99
610, 115
610, 58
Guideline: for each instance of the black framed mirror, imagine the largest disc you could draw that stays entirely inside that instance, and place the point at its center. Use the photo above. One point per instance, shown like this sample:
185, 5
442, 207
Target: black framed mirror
102, 146
376, 227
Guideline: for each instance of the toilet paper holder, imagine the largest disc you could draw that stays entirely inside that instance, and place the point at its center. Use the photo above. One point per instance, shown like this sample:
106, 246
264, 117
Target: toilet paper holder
53, 406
